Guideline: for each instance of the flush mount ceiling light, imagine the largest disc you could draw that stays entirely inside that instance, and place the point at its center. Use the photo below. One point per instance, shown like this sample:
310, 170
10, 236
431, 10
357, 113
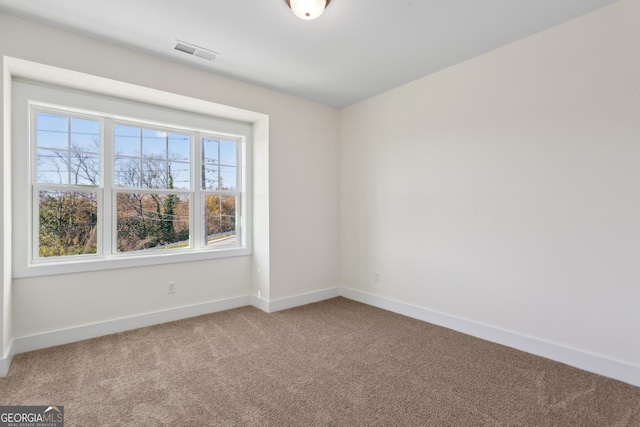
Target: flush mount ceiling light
307, 9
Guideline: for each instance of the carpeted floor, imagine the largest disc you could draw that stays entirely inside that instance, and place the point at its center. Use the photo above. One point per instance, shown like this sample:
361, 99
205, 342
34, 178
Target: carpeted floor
333, 363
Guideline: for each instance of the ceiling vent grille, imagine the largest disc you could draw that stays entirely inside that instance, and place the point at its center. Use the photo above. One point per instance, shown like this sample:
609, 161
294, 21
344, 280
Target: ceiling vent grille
194, 50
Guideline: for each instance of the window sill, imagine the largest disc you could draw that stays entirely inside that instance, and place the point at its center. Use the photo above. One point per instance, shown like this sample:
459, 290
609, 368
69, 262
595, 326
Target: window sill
128, 261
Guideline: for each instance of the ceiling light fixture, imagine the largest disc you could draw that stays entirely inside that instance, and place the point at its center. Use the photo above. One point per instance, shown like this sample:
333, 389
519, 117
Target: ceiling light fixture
307, 9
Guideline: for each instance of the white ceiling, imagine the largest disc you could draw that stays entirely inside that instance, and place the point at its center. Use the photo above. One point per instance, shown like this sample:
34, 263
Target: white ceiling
356, 49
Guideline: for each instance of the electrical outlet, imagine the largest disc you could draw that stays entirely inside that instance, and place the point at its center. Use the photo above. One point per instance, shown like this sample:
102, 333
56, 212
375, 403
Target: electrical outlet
171, 287
376, 277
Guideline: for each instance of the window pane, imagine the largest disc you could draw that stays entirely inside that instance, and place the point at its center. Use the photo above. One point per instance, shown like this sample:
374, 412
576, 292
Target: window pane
52, 131
210, 177
219, 178
220, 220
219, 152
180, 175
85, 135
128, 131
155, 173
67, 158
52, 166
127, 140
86, 126
67, 223
158, 158
179, 147
154, 144
210, 151
52, 122
152, 222
84, 168
67, 167
85, 142
49, 139
228, 155
227, 178
126, 172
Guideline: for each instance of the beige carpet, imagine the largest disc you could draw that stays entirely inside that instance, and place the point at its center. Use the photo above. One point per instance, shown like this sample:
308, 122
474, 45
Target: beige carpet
334, 363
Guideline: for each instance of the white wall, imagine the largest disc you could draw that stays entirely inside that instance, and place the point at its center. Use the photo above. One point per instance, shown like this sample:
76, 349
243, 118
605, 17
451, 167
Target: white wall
505, 190
297, 225
6, 312
502, 190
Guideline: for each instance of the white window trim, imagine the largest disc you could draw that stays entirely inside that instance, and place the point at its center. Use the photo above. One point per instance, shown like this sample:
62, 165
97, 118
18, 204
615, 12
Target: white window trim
15, 68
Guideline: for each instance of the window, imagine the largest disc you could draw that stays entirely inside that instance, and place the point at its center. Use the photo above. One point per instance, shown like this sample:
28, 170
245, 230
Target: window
66, 151
152, 181
114, 184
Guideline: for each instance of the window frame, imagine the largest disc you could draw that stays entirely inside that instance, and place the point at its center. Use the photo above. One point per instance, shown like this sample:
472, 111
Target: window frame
36, 187
107, 256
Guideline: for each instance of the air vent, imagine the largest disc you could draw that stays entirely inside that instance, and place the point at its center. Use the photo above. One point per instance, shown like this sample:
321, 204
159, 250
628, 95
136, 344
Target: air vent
194, 50
205, 54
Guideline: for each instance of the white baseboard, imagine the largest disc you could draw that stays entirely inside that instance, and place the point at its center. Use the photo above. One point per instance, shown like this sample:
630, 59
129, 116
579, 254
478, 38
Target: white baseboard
586, 361
79, 333
580, 359
294, 301
5, 361
260, 303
